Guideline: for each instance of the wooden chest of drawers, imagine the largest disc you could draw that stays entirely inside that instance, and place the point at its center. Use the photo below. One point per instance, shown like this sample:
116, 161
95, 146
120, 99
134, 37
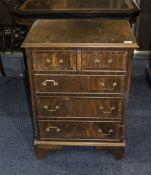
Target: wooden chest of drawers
79, 73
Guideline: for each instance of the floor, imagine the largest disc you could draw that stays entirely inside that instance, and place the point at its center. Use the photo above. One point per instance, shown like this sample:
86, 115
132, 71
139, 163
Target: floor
16, 136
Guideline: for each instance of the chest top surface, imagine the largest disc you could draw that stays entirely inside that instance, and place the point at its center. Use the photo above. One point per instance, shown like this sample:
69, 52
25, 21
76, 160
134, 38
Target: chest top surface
80, 33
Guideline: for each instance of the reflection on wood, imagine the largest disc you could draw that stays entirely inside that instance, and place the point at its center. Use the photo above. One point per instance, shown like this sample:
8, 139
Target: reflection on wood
76, 5
34, 9
87, 106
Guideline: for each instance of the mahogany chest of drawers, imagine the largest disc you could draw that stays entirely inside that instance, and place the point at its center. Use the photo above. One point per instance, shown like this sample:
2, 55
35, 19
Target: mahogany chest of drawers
79, 73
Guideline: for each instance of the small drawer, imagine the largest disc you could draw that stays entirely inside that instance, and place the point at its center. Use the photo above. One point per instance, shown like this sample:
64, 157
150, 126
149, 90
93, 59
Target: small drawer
54, 60
85, 130
104, 60
79, 107
81, 84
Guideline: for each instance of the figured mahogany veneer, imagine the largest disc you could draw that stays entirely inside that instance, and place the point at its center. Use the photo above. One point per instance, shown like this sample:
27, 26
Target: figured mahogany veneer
51, 60
47, 60
79, 107
104, 60
79, 81
52, 130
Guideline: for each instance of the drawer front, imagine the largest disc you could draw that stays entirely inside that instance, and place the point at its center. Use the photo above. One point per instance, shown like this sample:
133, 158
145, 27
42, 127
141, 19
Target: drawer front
104, 60
78, 107
81, 84
54, 60
79, 130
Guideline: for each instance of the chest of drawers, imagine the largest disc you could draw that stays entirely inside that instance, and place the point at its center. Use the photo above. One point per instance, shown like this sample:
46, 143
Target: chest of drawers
79, 73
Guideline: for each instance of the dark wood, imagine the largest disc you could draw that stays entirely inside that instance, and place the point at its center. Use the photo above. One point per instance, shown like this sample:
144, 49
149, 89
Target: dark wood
41, 152
30, 10
48, 6
118, 153
105, 60
79, 107
79, 83
57, 61
1, 66
82, 101
144, 37
80, 33
71, 130
148, 66
144, 27
148, 73
90, 60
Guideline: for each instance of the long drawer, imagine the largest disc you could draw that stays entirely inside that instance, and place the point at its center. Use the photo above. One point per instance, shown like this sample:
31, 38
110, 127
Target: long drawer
79, 107
79, 83
79, 130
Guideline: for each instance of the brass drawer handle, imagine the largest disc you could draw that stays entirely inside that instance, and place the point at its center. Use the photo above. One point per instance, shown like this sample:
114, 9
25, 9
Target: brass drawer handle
51, 110
47, 60
54, 83
114, 85
48, 129
60, 61
97, 61
107, 112
55, 65
110, 132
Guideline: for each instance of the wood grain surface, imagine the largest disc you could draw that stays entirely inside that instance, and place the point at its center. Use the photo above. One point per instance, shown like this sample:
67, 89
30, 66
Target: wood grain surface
79, 94
80, 33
